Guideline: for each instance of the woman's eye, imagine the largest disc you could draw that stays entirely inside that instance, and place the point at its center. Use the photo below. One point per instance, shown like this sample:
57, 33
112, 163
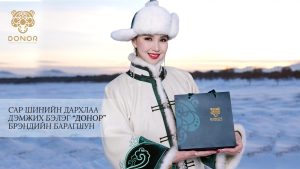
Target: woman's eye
164, 40
148, 38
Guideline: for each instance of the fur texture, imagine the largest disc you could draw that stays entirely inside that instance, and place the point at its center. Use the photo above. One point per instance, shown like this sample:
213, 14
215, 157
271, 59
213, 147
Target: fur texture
151, 19
167, 161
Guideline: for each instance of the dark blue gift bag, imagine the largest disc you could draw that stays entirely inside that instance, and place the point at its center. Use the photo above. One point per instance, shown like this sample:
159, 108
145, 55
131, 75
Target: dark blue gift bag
204, 121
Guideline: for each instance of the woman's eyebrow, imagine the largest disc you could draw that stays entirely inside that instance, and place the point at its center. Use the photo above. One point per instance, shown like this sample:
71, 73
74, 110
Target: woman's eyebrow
165, 36
146, 35
161, 36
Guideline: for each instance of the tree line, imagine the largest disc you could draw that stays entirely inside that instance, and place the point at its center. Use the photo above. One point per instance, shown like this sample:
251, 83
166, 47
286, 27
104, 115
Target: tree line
258, 73
284, 73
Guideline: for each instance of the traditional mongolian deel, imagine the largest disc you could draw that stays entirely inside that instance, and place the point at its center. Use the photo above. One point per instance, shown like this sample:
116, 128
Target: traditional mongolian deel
140, 130
204, 121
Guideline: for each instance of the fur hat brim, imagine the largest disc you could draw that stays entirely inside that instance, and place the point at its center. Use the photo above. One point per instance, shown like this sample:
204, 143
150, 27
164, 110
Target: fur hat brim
123, 34
152, 19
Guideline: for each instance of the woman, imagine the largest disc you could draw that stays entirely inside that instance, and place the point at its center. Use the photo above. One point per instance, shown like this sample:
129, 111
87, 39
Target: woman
139, 131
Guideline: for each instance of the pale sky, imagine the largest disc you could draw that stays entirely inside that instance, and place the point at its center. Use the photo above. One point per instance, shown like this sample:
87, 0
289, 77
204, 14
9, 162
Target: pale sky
214, 34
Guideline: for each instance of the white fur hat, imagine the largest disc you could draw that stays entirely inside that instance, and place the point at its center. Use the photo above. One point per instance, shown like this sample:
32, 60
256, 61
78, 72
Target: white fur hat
151, 19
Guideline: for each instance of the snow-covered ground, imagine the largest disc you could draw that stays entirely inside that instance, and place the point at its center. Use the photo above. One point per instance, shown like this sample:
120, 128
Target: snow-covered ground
269, 110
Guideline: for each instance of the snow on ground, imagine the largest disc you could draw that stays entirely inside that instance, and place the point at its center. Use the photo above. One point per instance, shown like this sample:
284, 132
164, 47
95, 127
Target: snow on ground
269, 111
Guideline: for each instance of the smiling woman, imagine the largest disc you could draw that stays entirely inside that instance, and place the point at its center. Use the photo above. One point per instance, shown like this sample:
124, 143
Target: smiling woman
151, 48
141, 102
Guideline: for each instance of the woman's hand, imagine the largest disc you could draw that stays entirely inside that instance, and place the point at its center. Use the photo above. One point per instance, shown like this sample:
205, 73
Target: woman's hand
237, 149
183, 155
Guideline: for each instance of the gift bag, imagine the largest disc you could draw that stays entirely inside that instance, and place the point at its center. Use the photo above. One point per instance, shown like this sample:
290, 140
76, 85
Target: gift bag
204, 121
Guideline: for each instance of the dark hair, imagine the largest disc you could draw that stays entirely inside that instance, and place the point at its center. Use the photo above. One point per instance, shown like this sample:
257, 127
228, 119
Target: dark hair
132, 21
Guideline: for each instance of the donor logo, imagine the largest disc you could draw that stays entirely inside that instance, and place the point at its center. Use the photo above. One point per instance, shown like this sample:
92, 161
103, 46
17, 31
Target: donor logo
215, 112
22, 20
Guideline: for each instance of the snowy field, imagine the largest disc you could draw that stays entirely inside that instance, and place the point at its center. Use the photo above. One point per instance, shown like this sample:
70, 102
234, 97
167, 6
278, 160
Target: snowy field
269, 110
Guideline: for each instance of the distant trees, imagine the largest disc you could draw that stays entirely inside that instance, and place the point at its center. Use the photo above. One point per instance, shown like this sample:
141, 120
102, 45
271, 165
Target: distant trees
258, 73
67, 79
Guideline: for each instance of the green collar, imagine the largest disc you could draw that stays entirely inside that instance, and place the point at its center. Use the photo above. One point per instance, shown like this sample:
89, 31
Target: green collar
150, 79
143, 73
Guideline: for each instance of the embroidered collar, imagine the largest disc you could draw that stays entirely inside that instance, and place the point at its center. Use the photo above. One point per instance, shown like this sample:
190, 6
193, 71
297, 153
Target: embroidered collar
141, 68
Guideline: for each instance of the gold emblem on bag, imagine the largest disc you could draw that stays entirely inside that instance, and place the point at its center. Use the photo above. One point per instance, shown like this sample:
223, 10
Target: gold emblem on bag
215, 112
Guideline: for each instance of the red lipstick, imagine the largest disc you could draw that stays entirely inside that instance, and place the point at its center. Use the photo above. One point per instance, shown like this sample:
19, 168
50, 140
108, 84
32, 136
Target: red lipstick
153, 55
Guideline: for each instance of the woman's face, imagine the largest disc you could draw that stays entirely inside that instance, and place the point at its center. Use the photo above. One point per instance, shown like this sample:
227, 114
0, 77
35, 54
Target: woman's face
151, 48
